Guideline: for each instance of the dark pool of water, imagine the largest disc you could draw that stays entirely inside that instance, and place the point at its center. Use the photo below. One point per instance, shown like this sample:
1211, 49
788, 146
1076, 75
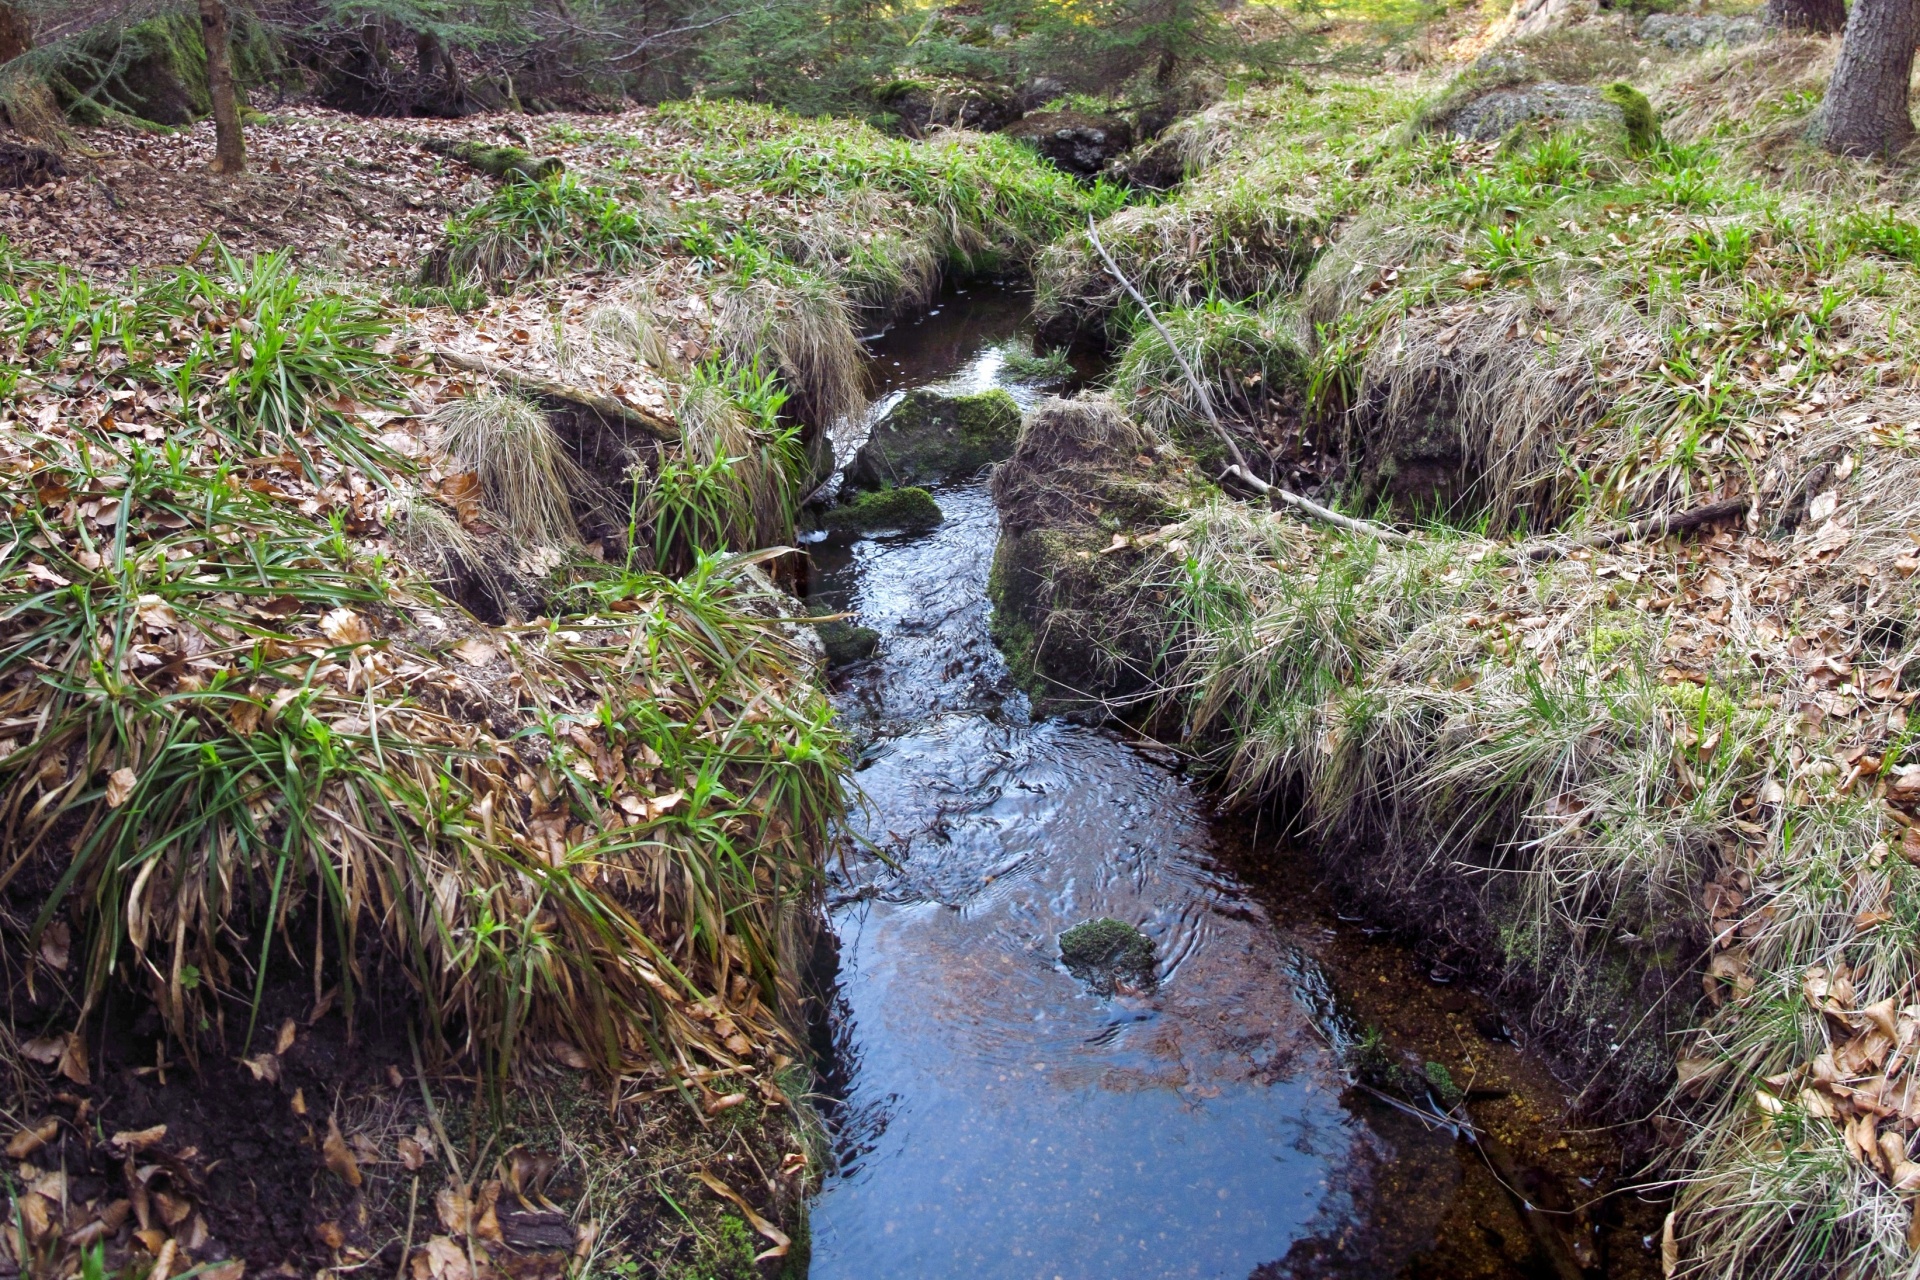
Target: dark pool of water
994, 1118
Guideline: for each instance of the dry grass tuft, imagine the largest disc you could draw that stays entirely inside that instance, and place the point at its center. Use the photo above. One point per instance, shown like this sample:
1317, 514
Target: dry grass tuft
528, 480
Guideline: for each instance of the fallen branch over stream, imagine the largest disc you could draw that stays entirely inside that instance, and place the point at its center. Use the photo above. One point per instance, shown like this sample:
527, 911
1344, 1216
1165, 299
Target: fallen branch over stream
1239, 470
606, 406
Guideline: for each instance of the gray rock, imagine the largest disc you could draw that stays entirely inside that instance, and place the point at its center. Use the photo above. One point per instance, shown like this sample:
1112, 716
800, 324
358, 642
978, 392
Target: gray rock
1682, 31
1077, 142
1492, 115
933, 436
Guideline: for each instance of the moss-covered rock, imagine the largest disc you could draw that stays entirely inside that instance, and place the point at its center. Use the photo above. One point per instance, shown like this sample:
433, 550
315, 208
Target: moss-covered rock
1643, 126
846, 643
1106, 952
910, 508
932, 436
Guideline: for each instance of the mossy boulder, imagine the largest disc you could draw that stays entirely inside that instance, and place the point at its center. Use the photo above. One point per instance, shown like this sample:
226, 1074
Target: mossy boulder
846, 643
907, 509
933, 436
1107, 952
1643, 126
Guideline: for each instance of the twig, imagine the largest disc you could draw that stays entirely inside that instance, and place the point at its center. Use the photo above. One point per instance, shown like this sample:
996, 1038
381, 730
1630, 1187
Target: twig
1651, 527
1193, 379
1239, 470
413, 1203
604, 405
1278, 496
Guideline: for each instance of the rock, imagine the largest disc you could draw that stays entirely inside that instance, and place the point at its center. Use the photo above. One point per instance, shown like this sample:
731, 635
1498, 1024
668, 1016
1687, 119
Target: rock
905, 509
1492, 116
932, 436
1682, 31
1076, 141
846, 644
1105, 952
925, 105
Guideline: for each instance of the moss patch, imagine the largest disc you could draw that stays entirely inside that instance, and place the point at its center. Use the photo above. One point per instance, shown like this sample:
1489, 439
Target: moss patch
1106, 950
846, 644
910, 508
934, 435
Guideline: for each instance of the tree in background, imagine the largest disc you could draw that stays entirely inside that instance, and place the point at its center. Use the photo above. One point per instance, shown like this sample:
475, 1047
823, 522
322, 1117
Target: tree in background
1103, 44
16, 32
1866, 111
1821, 17
230, 145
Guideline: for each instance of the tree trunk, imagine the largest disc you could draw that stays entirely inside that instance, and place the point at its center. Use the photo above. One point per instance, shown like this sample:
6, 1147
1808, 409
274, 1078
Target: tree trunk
16, 33
1822, 17
1866, 113
230, 145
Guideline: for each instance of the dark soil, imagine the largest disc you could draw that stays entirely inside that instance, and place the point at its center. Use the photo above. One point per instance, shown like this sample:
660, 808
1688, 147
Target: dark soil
26, 166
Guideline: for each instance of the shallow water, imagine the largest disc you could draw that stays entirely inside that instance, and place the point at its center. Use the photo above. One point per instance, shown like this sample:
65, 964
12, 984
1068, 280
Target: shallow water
993, 1117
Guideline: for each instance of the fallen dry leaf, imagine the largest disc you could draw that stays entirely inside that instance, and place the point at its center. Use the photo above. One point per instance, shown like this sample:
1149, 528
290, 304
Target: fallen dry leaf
36, 1215
567, 1055
344, 626
412, 1155
288, 1030
32, 1138
56, 943
45, 1050
264, 1067
330, 1234
475, 652
120, 785
173, 1209
138, 1139
232, 1269
455, 1210
441, 1259
338, 1158
73, 1061
780, 1241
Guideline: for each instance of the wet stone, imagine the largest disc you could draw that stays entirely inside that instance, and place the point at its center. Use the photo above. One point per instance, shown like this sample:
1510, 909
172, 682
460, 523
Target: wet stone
934, 435
1107, 952
908, 509
847, 644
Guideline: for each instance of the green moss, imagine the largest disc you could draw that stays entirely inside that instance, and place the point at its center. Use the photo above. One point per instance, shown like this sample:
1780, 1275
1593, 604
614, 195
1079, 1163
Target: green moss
1104, 950
511, 163
908, 508
847, 644
1643, 128
934, 435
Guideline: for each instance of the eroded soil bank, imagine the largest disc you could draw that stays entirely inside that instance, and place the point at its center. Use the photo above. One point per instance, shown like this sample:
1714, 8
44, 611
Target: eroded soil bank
1287, 1095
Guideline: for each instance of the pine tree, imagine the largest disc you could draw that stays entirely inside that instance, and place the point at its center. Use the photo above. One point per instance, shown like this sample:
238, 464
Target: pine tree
1866, 112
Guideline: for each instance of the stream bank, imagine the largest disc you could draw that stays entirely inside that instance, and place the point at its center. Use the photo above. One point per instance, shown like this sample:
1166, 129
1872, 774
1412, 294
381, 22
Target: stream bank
994, 1115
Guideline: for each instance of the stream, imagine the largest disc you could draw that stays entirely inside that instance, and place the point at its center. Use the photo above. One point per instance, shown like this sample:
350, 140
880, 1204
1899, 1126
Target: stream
995, 1118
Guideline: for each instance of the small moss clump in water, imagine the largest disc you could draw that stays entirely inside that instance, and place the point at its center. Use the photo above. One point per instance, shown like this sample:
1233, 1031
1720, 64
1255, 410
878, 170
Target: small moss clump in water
1642, 129
1049, 366
1105, 950
910, 508
847, 644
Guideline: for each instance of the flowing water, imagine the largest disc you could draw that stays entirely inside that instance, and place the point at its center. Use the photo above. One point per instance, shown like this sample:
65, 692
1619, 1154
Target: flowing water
994, 1117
